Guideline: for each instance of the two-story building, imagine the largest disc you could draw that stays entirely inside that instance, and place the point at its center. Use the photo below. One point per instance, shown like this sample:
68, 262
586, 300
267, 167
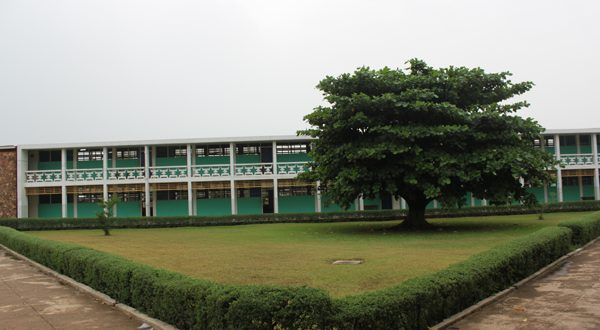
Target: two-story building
222, 176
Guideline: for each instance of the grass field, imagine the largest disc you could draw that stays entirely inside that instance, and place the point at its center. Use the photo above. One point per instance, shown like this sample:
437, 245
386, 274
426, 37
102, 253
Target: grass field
301, 254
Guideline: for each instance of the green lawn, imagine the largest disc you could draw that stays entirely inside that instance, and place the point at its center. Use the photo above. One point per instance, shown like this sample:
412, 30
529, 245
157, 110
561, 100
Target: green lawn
301, 254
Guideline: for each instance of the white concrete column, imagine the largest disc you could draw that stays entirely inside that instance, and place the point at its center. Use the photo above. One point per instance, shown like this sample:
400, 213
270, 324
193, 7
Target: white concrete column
22, 199
360, 203
104, 172
472, 200
154, 195
318, 197
63, 186
75, 198
596, 171
232, 153
435, 204
189, 179
146, 182
545, 193
403, 203
275, 182
114, 165
395, 203
484, 202
194, 193
559, 186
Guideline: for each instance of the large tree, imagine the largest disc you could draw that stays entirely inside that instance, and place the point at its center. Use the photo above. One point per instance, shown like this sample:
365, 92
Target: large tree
424, 134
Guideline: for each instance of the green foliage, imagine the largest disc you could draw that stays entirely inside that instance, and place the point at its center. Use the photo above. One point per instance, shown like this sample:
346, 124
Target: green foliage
422, 302
584, 229
424, 134
414, 304
174, 298
105, 215
232, 220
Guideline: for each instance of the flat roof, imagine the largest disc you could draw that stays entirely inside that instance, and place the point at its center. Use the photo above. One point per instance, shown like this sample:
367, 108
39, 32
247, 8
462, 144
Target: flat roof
572, 131
247, 139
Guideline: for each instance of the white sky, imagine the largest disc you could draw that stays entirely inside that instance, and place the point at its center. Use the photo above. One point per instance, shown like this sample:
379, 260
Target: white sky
74, 71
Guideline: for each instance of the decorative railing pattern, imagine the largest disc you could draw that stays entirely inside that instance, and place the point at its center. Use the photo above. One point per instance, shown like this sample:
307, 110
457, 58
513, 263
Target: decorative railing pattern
210, 170
577, 159
254, 169
126, 173
43, 176
292, 168
168, 172
88, 174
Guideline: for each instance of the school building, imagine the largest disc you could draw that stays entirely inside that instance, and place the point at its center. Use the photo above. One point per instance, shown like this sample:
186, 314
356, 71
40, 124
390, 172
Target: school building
221, 176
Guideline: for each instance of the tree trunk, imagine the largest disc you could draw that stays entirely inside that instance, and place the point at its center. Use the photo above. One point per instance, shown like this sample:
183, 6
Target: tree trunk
415, 219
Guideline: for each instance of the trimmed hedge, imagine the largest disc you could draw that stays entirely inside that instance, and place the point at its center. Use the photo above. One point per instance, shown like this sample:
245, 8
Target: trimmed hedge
384, 215
584, 229
198, 304
422, 302
174, 298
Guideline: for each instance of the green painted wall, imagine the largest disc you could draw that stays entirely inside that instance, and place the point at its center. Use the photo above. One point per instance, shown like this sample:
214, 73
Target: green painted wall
293, 158
90, 164
247, 159
296, 204
586, 149
167, 208
87, 210
177, 161
126, 163
249, 205
214, 206
588, 191
568, 150
49, 211
571, 193
539, 194
550, 150
372, 204
325, 207
130, 209
222, 160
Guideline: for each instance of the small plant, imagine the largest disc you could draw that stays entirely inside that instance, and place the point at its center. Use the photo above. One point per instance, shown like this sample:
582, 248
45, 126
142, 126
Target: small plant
105, 216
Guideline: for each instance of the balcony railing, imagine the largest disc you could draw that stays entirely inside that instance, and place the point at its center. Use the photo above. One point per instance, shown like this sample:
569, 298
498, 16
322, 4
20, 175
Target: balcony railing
199, 171
165, 172
292, 168
90, 174
168, 172
126, 173
43, 176
257, 169
577, 159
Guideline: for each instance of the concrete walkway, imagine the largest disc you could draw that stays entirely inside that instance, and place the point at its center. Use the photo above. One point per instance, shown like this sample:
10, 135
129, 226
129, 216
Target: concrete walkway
568, 298
30, 299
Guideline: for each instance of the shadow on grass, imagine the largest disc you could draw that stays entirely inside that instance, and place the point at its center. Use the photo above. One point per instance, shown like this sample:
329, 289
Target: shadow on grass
395, 228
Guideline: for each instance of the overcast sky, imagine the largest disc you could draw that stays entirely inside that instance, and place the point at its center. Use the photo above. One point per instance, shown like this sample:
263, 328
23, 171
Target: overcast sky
78, 70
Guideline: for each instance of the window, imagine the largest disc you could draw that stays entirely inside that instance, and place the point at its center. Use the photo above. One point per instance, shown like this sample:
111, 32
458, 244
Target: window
549, 142
84, 155
171, 152
537, 142
567, 140
246, 193
249, 150
296, 191
570, 181
213, 194
50, 199
49, 156
172, 195
129, 197
213, 150
587, 180
296, 148
89, 198
128, 154
585, 140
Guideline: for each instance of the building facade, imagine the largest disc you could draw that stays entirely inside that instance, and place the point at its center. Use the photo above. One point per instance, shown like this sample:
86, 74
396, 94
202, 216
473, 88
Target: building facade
224, 176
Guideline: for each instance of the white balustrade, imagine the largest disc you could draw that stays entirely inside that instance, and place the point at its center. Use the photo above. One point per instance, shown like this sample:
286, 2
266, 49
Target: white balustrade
43, 176
292, 168
84, 174
126, 173
210, 170
577, 159
254, 169
168, 172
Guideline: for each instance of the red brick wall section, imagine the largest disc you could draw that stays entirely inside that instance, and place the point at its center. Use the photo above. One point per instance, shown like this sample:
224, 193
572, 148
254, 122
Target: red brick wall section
8, 183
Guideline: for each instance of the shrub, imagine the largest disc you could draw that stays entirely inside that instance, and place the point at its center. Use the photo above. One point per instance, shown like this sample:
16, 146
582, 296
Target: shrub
383, 215
584, 229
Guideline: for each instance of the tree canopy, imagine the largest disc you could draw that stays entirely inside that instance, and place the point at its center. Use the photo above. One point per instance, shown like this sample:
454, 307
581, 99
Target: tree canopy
424, 134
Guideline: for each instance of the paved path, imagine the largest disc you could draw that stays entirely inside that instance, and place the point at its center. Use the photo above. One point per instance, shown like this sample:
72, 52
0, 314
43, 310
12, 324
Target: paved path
30, 299
569, 298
